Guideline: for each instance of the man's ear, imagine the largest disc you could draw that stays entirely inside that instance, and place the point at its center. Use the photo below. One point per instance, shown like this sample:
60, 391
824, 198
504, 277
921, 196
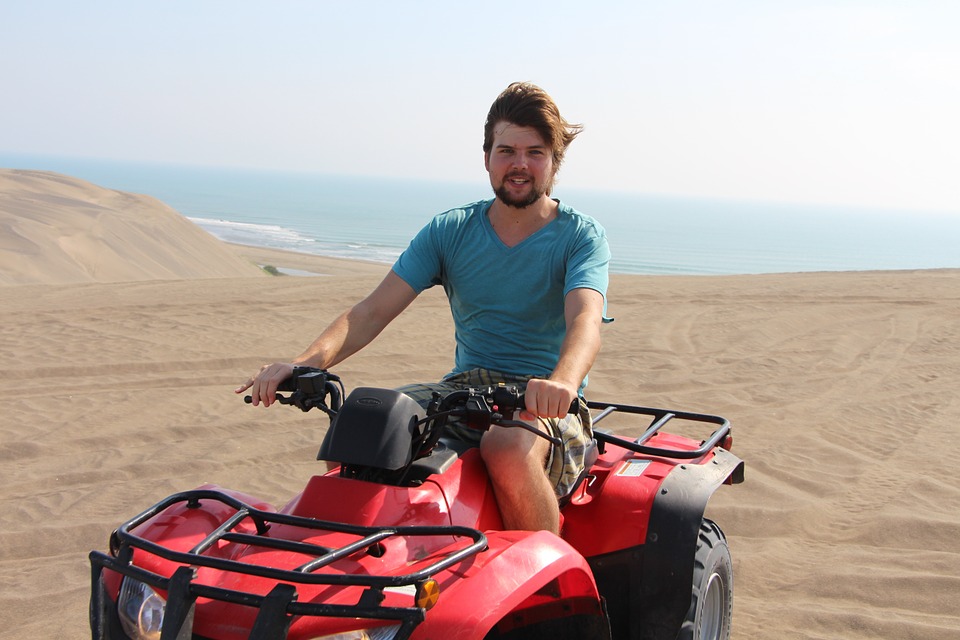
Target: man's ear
486, 161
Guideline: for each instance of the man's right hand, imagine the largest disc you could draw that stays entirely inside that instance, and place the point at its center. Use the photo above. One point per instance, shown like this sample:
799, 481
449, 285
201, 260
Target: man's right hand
263, 386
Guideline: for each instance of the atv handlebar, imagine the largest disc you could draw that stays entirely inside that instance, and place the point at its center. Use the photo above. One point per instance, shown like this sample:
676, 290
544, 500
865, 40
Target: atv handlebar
480, 408
377, 411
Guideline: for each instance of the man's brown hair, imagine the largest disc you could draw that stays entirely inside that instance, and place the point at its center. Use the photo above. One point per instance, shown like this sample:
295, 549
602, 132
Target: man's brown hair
527, 105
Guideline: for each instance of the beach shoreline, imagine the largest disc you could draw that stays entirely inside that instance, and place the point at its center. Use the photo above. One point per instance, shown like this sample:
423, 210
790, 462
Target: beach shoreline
307, 264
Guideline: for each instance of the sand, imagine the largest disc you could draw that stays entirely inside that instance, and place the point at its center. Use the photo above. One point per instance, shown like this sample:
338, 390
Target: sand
841, 387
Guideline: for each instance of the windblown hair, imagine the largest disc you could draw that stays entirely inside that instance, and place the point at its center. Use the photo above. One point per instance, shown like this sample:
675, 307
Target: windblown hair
527, 105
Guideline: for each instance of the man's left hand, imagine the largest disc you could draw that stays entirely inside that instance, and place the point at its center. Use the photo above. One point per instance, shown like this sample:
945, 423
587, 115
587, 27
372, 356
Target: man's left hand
548, 399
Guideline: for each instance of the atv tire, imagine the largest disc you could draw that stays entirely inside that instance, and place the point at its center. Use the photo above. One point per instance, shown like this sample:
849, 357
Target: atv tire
711, 602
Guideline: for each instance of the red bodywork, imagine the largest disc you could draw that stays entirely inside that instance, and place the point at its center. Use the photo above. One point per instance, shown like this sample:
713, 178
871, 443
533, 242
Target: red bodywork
518, 577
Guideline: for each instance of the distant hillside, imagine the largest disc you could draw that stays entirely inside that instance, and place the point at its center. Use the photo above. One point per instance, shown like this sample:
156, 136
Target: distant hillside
55, 229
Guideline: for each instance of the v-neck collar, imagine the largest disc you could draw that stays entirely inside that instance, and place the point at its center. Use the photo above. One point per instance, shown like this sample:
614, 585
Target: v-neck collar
488, 225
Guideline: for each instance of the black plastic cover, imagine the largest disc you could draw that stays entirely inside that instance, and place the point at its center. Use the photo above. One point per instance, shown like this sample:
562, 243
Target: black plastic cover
374, 428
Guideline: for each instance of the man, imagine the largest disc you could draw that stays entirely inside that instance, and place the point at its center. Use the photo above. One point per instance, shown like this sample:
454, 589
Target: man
526, 278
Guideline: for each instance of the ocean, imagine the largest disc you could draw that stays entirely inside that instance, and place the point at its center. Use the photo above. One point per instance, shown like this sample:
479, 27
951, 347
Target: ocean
374, 219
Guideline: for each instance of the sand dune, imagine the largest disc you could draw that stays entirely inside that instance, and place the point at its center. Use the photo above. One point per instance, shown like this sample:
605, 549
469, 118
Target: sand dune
841, 388
55, 229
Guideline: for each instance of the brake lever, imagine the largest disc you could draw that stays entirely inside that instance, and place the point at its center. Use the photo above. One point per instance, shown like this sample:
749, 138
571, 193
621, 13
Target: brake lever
532, 429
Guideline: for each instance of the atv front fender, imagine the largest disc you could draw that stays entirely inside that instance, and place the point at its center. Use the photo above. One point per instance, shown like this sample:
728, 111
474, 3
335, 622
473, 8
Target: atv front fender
522, 578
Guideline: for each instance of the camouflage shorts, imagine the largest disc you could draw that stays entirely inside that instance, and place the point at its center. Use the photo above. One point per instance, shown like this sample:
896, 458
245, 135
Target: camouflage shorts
563, 464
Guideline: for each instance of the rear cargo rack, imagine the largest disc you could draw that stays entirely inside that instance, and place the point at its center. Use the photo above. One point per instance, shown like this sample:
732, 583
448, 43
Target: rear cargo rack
659, 419
277, 607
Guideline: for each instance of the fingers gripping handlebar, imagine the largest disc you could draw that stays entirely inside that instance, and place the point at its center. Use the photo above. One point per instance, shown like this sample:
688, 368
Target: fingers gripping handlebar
309, 389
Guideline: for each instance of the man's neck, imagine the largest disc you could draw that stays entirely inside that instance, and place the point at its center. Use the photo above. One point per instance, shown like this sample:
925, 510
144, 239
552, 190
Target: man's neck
513, 225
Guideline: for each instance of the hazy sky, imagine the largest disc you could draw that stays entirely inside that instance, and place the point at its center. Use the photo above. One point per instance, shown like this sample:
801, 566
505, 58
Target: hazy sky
823, 101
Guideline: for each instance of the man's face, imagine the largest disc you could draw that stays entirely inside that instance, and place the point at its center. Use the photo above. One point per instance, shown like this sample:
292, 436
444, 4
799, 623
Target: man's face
520, 165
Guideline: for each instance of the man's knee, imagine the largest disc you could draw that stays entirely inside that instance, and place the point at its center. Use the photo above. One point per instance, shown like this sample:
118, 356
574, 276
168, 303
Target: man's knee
513, 447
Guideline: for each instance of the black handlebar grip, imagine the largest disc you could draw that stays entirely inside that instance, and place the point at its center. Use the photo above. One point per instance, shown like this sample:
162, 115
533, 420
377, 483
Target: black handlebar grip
281, 399
574, 406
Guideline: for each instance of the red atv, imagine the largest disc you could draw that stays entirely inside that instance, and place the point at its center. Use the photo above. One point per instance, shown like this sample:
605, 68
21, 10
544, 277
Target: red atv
404, 538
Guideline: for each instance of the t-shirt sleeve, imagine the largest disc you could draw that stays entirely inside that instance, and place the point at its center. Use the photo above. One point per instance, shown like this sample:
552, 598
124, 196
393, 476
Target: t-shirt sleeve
420, 264
587, 266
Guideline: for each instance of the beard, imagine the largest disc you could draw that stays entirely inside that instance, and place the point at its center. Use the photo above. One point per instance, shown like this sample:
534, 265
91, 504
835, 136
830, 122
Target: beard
532, 196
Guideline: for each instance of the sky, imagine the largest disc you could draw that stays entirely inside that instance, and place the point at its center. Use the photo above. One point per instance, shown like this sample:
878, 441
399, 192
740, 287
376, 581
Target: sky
797, 101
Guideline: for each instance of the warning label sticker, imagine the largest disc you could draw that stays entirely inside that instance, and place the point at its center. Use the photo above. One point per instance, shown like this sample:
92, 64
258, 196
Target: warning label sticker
633, 468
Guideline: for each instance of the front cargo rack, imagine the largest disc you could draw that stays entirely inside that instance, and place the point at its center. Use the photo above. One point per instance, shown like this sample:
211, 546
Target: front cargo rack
277, 607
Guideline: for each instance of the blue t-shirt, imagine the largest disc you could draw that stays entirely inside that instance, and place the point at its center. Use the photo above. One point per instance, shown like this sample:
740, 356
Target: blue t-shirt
507, 302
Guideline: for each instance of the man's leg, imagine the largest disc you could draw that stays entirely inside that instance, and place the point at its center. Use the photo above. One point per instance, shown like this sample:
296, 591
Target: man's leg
515, 461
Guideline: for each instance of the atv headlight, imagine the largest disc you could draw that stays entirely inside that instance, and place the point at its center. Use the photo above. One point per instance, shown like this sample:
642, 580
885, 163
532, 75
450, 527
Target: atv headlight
141, 610
380, 633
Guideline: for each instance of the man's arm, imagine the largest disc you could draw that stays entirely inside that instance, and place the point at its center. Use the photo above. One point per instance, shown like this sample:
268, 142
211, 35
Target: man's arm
350, 332
583, 312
